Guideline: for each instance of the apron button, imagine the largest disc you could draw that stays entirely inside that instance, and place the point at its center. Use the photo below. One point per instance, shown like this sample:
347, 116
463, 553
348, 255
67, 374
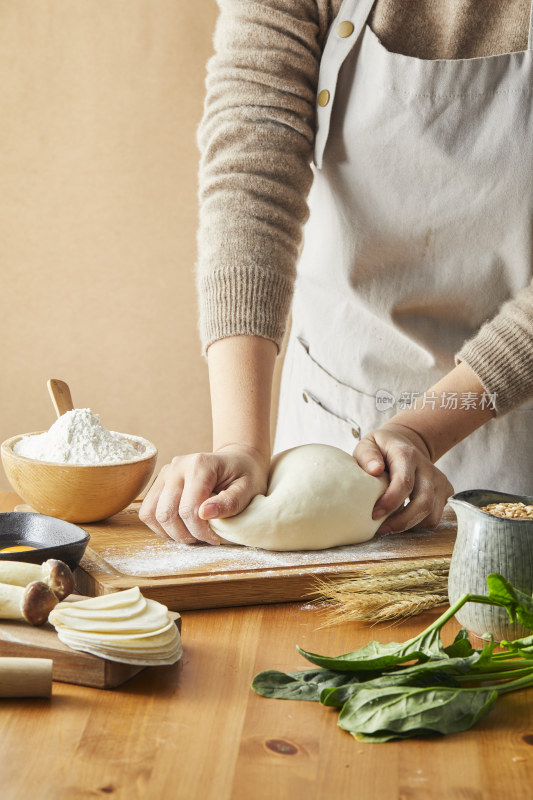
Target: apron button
305, 397
344, 29
356, 433
323, 97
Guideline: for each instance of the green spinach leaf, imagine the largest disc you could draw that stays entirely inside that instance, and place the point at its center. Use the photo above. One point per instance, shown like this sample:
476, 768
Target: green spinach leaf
460, 646
382, 697
303, 685
518, 604
431, 673
382, 656
389, 712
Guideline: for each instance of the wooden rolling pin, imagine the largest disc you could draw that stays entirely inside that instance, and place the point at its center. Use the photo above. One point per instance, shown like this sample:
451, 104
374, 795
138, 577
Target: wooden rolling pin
25, 677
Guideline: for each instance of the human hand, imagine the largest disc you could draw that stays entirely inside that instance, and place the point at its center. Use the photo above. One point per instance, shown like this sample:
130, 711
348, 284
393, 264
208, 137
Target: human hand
194, 488
403, 452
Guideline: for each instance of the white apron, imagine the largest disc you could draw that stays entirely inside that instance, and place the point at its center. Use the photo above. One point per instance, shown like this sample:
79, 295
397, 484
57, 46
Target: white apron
421, 223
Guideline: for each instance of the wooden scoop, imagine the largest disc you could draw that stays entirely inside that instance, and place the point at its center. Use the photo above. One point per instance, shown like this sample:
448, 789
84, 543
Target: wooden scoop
60, 394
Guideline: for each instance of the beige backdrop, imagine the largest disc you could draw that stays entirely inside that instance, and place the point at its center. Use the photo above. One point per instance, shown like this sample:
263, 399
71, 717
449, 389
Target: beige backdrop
99, 104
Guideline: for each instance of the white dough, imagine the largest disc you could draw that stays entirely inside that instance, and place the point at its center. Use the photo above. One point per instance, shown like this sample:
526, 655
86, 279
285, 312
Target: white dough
69, 610
120, 636
317, 497
137, 641
123, 626
121, 599
152, 617
168, 654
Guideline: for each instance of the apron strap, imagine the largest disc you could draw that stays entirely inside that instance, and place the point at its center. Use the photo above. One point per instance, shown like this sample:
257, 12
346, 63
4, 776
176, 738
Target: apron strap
530, 37
343, 34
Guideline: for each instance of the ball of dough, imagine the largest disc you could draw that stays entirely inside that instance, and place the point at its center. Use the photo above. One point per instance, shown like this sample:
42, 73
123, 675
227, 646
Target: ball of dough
317, 497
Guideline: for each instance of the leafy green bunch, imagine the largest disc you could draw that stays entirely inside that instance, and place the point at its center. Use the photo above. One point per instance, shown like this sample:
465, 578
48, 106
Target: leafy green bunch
418, 687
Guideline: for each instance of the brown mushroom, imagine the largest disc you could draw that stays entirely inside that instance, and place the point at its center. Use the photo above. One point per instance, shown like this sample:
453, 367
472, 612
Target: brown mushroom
38, 600
56, 574
32, 603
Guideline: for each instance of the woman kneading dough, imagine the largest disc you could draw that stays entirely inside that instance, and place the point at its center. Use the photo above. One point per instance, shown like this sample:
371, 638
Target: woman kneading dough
395, 140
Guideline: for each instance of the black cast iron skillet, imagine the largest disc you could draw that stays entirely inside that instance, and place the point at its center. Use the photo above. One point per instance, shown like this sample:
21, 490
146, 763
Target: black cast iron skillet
52, 538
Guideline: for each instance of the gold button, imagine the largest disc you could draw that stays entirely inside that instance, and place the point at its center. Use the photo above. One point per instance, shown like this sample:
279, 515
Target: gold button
344, 29
356, 433
323, 97
305, 397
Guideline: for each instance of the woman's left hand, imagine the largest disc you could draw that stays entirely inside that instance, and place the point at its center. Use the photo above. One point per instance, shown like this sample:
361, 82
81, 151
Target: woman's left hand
400, 450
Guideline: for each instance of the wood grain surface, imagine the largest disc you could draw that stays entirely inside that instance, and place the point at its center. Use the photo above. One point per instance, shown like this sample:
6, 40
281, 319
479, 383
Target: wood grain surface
225, 582
195, 730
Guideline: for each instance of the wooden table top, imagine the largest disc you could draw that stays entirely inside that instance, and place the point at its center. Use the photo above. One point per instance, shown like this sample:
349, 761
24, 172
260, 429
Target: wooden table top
196, 730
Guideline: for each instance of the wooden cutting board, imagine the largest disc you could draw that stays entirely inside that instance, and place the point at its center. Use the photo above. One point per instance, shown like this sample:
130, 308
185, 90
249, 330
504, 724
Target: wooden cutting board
123, 552
70, 666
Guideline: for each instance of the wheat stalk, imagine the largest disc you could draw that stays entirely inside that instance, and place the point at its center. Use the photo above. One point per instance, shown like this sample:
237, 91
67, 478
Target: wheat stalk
379, 592
406, 581
393, 567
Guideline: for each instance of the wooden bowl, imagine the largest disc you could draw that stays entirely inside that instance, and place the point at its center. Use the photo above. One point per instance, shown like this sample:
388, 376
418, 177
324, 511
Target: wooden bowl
76, 493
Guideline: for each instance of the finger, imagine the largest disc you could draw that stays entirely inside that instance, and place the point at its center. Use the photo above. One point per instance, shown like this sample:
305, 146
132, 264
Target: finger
201, 478
229, 502
369, 457
167, 511
442, 492
420, 506
450, 491
432, 519
402, 480
147, 510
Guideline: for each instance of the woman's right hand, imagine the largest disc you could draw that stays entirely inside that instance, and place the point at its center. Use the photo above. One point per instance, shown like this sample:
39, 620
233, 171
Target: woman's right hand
195, 488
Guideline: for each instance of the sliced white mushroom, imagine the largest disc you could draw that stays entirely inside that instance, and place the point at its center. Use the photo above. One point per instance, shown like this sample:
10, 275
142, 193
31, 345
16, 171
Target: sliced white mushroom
56, 574
32, 603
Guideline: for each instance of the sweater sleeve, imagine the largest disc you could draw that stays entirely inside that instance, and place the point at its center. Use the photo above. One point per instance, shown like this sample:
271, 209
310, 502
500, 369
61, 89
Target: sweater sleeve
501, 352
256, 139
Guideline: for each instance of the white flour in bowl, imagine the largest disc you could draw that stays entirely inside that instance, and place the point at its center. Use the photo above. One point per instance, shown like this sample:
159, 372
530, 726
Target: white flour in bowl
78, 437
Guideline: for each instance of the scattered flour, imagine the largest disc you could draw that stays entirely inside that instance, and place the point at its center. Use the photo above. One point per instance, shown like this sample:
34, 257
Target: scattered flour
78, 437
160, 556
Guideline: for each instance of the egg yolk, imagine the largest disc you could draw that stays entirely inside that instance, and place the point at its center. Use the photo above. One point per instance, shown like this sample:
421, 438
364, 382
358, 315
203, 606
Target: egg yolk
17, 548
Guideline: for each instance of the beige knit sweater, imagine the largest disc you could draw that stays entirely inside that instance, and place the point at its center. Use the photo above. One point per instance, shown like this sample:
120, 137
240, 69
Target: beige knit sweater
256, 141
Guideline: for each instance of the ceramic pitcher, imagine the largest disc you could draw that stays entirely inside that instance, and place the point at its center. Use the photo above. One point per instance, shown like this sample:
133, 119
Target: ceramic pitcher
486, 543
